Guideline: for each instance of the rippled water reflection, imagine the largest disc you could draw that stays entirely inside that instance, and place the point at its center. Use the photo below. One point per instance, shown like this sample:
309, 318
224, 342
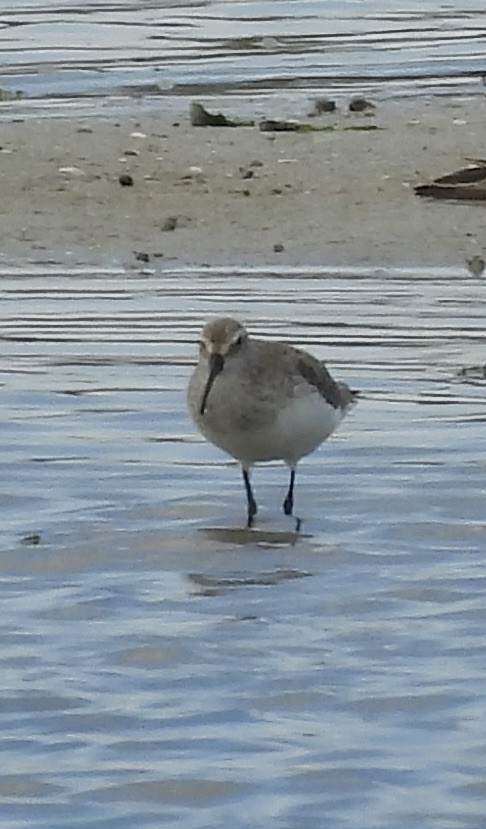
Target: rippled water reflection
227, 46
162, 665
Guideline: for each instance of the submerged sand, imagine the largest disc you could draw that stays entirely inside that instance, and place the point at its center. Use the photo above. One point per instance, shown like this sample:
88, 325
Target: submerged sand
340, 196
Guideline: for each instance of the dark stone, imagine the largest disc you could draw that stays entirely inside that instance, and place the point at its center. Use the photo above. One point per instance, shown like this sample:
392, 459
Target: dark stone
126, 180
170, 223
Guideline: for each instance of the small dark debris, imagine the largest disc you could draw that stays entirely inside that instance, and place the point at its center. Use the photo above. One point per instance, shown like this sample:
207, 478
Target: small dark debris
323, 105
271, 125
126, 180
476, 265
246, 174
278, 247
142, 256
361, 105
32, 539
170, 224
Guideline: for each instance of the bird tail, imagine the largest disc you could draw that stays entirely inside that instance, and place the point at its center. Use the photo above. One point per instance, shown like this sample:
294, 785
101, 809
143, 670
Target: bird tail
348, 396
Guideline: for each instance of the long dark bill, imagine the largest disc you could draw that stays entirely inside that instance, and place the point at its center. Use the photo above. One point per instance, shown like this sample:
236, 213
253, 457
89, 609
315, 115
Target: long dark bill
216, 364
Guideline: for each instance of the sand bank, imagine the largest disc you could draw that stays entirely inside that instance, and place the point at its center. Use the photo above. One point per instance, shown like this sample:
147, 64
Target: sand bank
341, 196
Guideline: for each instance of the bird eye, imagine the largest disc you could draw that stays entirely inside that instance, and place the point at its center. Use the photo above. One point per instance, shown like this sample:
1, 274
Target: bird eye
239, 340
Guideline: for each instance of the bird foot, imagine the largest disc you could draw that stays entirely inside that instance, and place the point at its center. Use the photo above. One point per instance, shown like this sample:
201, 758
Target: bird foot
288, 506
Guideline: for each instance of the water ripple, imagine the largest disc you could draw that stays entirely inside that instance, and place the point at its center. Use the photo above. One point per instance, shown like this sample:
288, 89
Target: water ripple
147, 48
161, 664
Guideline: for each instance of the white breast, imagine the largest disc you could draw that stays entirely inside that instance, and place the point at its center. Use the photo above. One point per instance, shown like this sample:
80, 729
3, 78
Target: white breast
298, 428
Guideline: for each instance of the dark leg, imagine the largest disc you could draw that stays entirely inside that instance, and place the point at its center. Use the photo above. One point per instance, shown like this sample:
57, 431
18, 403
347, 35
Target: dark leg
288, 504
252, 507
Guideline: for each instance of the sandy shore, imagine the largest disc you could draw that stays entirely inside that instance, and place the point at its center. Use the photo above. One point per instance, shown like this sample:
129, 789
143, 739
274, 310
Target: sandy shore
341, 197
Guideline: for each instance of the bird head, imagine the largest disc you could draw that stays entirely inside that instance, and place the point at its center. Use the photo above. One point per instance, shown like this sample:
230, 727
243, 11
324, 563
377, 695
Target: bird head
221, 339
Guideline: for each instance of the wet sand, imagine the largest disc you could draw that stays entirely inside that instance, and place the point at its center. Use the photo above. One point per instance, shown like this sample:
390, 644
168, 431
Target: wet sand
343, 196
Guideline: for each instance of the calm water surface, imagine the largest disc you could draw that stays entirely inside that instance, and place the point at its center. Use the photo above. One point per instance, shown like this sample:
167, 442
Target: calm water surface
240, 47
162, 666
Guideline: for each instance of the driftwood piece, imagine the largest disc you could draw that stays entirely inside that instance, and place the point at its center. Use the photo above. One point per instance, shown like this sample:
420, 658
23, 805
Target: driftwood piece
463, 176
460, 192
200, 117
467, 184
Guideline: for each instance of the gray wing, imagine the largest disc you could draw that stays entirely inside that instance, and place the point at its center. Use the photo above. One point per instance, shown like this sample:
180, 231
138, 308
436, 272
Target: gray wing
338, 395
289, 369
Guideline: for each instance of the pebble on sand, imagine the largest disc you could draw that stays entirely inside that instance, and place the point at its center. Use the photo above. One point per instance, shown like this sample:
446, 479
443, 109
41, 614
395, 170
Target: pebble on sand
126, 180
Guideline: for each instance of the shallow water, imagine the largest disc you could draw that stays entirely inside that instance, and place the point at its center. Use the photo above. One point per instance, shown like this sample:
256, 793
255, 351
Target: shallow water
257, 47
162, 665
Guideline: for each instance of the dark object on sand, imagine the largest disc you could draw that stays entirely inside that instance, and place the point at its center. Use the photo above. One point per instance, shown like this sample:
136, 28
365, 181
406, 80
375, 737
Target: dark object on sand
465, 184
170, 224
476, 172
361, 105
126, 180
322, 106
271, 125
476, 265
200, 117
461, 193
